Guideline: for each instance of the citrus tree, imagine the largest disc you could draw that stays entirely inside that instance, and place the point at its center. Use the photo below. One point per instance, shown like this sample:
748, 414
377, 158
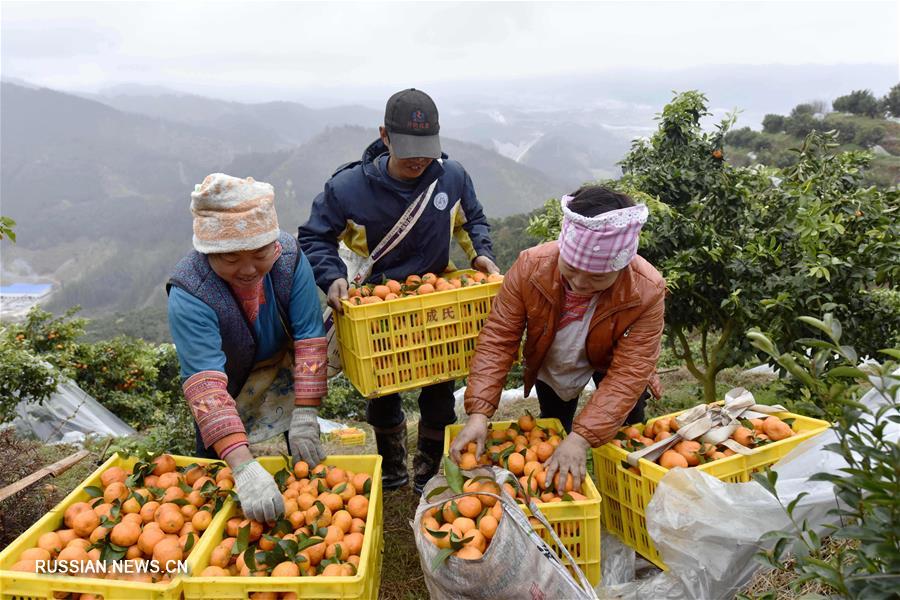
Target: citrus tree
744, 247
755, 246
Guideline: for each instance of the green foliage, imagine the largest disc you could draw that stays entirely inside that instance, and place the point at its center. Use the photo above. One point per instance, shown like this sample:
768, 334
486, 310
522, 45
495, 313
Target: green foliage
803, 109
801, 125
545, 224
6, 228
857, 102
23, 376
175, 437
870, 136
509, 237
742, 138
831, 242
868, 488
891, 101
343, 401
699, 242
773, 123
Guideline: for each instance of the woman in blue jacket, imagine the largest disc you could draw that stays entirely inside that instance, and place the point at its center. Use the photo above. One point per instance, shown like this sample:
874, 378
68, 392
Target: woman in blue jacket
247, 325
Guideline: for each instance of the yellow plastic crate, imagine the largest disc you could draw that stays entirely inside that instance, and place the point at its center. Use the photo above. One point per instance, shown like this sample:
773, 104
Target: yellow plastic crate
32, 586
627, 494
576, 523
348, 437
412, 342
364, 584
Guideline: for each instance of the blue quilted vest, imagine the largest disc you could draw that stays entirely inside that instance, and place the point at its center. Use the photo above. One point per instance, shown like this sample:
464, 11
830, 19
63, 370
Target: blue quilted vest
194, 275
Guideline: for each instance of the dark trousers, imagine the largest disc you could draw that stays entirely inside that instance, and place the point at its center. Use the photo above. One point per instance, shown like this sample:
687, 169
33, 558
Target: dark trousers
554, 407
436, 407
201, 451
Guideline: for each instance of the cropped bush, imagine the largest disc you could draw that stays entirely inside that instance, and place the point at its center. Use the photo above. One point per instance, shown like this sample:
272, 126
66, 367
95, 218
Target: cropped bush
867, 489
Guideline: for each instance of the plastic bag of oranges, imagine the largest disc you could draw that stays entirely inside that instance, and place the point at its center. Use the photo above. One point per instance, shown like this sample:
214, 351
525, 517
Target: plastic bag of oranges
475, 541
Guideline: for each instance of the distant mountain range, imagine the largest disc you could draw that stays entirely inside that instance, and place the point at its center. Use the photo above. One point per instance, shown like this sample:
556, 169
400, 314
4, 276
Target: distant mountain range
100, 195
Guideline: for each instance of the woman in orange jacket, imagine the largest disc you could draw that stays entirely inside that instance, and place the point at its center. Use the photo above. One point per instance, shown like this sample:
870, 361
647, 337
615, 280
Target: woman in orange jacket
589, 307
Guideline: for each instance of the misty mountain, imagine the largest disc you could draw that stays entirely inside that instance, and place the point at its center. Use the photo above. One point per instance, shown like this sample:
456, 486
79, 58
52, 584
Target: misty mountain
262, 127
101, 196
571, 146
503, 186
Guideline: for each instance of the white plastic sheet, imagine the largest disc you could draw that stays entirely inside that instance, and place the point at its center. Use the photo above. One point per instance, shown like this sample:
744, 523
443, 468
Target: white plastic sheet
68, 416
708, 531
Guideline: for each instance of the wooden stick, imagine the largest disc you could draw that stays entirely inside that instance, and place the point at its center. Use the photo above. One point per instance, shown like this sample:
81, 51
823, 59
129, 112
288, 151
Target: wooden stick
55, 469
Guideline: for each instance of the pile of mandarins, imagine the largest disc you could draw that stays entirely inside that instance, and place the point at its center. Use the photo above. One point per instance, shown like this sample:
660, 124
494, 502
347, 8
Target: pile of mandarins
321, 532
415, 285
524, 449
753, 433
157, 512
465, 526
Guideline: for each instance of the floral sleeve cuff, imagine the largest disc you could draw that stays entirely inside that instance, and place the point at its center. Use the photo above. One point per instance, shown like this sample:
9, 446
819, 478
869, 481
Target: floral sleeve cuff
213, 407
310, 371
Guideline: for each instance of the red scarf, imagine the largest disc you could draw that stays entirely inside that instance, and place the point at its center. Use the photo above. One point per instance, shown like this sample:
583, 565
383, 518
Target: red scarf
250, 298
575, 306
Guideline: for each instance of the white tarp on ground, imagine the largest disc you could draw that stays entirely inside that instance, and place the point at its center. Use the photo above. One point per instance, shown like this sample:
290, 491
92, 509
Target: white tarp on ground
68, 416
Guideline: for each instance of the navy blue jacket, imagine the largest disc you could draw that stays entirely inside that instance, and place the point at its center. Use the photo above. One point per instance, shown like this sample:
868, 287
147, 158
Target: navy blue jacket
361, 203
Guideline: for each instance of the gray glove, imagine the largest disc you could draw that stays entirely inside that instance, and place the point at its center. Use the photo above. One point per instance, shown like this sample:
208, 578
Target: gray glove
304, 435
258, 492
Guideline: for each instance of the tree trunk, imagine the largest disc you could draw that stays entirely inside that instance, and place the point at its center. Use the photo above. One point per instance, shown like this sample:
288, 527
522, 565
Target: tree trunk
709, 386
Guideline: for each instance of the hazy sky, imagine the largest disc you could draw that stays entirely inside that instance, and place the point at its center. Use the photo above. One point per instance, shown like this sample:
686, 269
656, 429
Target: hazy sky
197, 46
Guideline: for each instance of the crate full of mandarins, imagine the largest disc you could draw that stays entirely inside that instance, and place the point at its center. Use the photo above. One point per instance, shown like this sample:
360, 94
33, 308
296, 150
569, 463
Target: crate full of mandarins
133, 529
398, 336
729, 441
328, 544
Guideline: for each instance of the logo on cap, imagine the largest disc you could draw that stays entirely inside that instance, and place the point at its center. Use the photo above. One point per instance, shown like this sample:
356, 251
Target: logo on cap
418, 120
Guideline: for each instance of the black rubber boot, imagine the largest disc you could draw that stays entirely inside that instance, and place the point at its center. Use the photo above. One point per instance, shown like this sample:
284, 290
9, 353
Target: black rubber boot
392, 448
427, 462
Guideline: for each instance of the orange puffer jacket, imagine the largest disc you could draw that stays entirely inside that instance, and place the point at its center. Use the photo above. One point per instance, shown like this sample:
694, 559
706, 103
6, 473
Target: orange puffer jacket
623, 340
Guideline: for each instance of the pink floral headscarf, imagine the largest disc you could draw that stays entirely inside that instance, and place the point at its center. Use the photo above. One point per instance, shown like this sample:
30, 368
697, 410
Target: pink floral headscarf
600, 244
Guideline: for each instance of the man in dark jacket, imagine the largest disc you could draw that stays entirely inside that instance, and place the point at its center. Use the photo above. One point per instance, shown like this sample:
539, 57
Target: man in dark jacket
360, 204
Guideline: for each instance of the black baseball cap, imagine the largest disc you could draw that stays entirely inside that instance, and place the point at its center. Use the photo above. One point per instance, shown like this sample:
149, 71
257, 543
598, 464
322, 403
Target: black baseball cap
411, 119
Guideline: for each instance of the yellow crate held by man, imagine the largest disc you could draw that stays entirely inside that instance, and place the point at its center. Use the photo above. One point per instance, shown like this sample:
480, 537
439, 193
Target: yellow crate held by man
414, 341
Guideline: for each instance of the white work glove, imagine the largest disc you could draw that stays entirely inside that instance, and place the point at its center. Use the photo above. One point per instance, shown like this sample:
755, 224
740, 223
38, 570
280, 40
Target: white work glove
476, 430
570, 458
258, 493
306, 444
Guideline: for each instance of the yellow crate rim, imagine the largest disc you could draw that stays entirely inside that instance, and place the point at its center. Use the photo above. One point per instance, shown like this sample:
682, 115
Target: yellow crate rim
45, 585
